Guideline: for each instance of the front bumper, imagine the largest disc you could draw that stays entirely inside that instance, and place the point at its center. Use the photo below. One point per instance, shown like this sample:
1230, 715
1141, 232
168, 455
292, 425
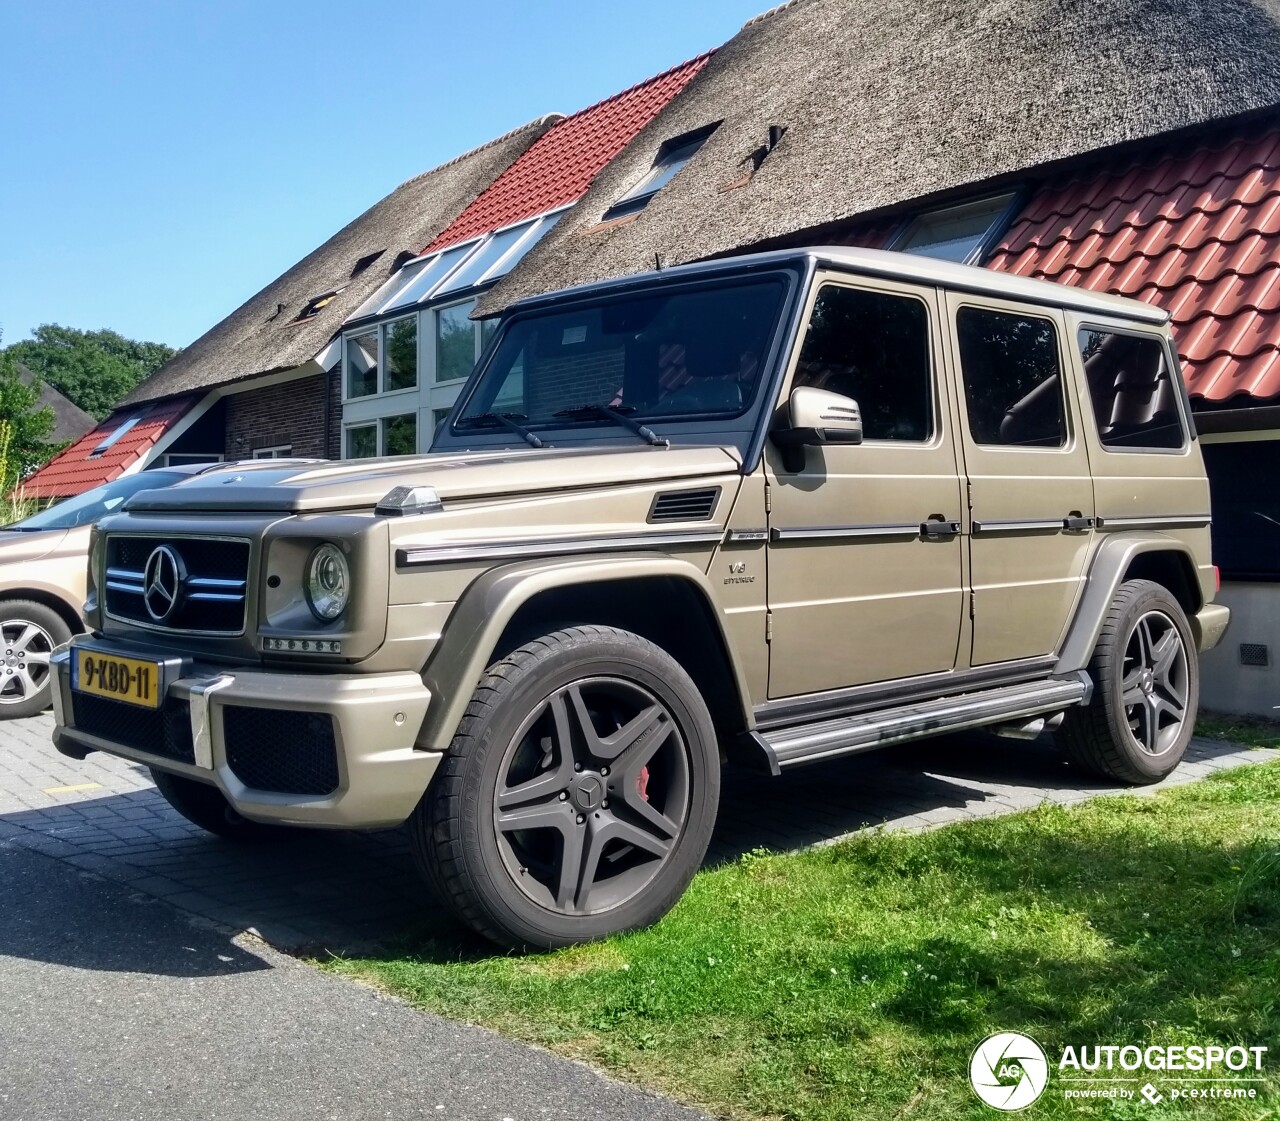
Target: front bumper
335, 750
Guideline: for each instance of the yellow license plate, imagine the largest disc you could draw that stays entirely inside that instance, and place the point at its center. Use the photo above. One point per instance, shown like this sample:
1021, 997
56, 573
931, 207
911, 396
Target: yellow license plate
130, 680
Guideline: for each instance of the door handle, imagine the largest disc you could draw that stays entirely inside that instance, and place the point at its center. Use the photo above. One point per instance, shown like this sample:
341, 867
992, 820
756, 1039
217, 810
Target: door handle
939, 527
1074, 520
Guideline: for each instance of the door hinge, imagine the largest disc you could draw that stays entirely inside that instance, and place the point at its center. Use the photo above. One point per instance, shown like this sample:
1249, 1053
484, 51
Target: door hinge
968, 489
768, 626
768, 500
971, 599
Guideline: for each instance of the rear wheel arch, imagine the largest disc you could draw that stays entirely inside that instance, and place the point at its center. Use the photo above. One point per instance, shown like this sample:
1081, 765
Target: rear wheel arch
1157, 557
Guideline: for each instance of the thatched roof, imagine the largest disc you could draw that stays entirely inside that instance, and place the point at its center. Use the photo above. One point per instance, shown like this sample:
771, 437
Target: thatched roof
264, 333
886, 101
70, 421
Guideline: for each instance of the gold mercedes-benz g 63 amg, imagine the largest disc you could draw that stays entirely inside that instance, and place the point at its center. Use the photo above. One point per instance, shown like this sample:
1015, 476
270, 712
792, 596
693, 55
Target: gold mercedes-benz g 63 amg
760, 511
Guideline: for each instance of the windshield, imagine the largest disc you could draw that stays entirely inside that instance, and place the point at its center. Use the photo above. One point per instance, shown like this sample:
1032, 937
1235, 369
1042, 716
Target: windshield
96, 503
684, 353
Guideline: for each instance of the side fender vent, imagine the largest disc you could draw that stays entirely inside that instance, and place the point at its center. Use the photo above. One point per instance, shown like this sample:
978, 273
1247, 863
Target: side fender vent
684, 505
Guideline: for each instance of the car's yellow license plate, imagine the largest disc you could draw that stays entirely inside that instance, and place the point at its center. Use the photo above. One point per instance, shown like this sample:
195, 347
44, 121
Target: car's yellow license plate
130, 680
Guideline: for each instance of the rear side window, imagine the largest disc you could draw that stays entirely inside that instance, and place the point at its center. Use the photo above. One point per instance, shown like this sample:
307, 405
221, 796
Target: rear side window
1012, 378
1132, 387
873, 347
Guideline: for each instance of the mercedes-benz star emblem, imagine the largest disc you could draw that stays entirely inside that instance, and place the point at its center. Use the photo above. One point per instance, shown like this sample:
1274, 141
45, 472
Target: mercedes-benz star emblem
162, 582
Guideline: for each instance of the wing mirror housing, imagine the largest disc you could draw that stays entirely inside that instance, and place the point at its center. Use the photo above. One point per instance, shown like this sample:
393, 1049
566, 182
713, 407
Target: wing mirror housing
817, 417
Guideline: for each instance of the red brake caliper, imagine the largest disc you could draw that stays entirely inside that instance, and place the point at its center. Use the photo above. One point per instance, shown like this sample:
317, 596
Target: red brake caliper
642, 783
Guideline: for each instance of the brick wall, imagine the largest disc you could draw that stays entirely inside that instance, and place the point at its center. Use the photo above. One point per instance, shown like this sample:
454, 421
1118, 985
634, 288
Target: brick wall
333, 438
292, 412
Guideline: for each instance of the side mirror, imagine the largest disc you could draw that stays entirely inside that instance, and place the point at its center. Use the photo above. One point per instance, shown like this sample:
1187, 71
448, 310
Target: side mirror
820, 417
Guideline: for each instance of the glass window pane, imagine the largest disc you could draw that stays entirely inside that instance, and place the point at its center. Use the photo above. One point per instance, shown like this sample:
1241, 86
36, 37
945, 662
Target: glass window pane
362, 442
400, 350
429, 276
400, 434
955, 233
484, 259
1012, 378
668, 355
1135, 399
362, 364
455, 342
873, 347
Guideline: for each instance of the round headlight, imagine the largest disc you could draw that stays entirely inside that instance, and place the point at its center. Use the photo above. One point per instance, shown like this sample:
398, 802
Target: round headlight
328, 582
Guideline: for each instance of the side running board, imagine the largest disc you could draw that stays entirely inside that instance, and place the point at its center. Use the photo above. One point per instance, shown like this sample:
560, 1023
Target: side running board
826, 739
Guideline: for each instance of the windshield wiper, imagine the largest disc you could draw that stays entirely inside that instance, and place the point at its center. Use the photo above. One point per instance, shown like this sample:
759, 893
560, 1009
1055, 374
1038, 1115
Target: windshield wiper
506, 420
608, 412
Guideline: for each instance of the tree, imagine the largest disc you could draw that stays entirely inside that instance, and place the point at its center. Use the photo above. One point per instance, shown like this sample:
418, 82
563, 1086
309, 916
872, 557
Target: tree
95, 369
24, 428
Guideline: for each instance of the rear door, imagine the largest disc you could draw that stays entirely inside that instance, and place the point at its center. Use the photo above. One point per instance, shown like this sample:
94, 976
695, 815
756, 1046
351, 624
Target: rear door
1030, 490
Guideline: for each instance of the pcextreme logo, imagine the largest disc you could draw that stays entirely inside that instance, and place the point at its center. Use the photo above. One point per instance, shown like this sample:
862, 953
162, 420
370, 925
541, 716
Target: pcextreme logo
1010, 1071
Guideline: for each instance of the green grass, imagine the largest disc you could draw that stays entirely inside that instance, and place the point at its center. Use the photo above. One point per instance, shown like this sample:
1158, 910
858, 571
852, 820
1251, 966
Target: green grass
854, 981
1251, 730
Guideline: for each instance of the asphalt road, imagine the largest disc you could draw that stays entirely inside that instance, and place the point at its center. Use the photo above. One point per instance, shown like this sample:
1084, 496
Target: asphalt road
115, 1005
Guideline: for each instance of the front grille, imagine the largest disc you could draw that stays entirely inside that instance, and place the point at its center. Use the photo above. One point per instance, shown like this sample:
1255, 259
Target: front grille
684, 505
157, 731
281, 751
211, 595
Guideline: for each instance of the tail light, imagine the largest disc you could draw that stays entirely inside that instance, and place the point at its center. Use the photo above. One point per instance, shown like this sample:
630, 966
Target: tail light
1217, 580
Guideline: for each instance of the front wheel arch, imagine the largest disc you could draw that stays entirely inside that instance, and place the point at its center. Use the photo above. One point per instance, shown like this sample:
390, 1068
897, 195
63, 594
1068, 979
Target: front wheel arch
506, 605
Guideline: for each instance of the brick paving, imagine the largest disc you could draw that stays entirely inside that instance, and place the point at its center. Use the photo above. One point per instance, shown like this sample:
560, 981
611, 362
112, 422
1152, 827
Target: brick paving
341, 892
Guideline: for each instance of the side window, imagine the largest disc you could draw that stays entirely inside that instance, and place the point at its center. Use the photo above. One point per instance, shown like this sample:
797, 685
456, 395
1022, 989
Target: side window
1012, 379
873, 347
1135, 399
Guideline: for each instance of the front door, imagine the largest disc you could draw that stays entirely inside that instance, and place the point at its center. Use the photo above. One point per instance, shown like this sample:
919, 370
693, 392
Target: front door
865, 552
1030, 489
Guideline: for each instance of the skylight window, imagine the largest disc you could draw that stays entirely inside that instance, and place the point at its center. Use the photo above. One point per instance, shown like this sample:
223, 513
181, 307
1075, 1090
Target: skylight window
963, 233
106, 444
672, 156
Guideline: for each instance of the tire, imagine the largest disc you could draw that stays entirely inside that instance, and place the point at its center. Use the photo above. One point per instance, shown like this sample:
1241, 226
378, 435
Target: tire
597, 742
1146, 677
205, 806
30, 631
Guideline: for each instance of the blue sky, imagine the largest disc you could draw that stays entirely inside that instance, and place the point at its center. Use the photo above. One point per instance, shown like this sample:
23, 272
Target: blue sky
161, 161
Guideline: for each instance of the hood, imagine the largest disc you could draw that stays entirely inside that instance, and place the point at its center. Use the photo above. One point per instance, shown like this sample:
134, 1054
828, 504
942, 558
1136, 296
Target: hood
17, 545
359, 484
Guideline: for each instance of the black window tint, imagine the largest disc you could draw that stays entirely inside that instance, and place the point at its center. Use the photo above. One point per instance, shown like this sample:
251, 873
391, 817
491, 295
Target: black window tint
873, 347
1135, 399
1246, 511
1012, 378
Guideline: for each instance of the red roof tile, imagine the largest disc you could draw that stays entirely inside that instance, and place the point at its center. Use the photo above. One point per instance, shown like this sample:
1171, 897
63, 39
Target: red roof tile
77, 469
1196, 232
558, 167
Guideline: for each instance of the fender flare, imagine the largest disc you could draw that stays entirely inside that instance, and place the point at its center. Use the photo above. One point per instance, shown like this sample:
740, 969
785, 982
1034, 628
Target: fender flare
483, 611
1106, 573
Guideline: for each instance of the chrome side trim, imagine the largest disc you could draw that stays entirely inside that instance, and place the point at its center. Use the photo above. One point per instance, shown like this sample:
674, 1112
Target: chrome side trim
827, 532
809, 743
1015, 525
1172, 521
201, 731
413, 555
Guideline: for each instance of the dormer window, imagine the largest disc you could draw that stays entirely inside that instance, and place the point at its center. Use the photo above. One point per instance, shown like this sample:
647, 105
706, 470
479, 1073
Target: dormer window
313, 305
671, 157
965, 233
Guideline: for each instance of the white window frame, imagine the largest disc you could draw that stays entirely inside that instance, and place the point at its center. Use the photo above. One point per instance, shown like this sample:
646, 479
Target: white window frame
275, 451
181, 459
377, 424
1006, 203
380, 376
